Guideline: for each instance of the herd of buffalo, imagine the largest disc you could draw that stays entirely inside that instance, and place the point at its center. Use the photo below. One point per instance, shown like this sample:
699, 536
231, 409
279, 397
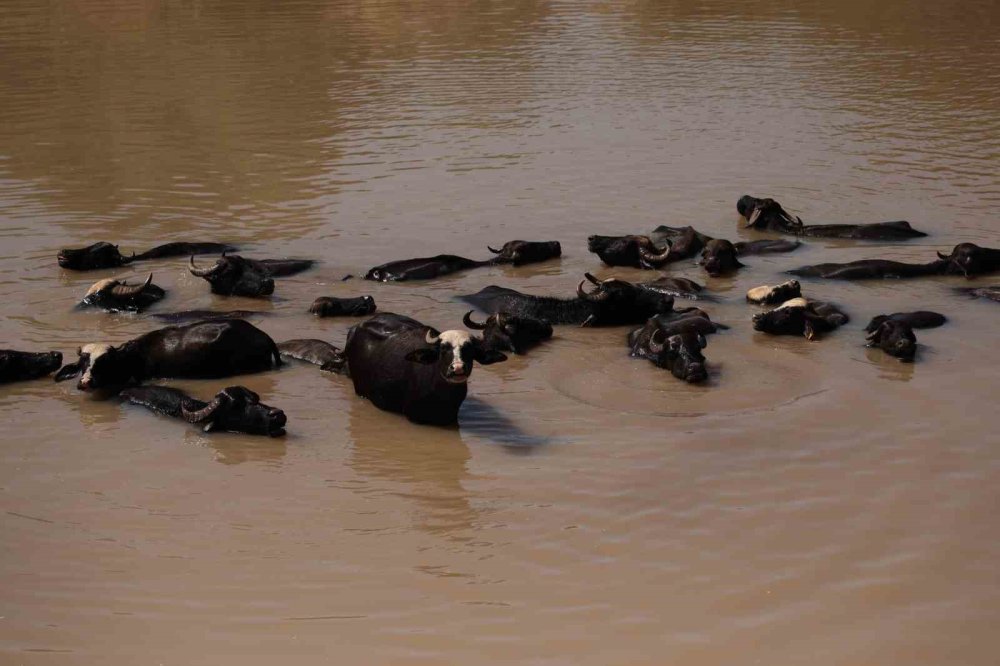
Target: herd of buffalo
404, 366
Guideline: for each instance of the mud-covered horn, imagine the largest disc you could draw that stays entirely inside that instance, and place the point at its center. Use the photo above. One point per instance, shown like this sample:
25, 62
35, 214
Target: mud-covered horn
467, 320
132, 290
492, 250
205, 413
654, 346
652, 257
432, 339
753, 216
201, 272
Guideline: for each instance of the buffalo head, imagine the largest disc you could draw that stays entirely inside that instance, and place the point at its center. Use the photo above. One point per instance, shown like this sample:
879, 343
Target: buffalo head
619, 302
507, 332
519, 252
119, 296
100, 367
236, 276
719, 258
328, 306
92, 257
237, 409
453, 353
635, 251
680, 353
895, 338
969, 259
766, 213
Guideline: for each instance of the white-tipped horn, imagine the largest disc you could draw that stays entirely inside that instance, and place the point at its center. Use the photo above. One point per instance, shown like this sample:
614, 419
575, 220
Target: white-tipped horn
432, 339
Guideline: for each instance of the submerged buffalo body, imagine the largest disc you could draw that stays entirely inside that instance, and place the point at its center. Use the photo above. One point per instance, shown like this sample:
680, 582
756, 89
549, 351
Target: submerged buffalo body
517, 253
233, 409
506, 332
991, 293
800, 317
330, 306
17, 366
613, 303
118, 296
317, 352
404, 366
105, 255
767, 214
233, 275
675, 286
966, 259
202, 350
768, 295
206, 315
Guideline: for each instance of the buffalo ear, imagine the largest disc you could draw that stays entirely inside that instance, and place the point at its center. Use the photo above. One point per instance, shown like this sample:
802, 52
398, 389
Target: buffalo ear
423, 355
68, 372
489, 356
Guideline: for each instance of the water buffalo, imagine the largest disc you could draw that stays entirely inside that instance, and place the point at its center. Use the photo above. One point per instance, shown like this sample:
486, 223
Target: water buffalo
233, 409
119, 296
969, 259
233, 275
614, 303
202, 350
329, 306
800, 317
404, 366
676, 287
871, 269
685, 321
992, 293
767, 214
106, 255
767, 295
669, 244
205, 315
718, 258
519, 252
632, 250
505, 332
317, 352
516, 252
678, 351
17, 366
894, 334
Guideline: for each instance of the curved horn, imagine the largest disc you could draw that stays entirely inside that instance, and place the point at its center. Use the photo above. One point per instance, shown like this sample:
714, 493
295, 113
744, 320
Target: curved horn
501, 319
492, 250
943, 256
592, 279
203, 414
127, 291
467, 320
202, 272
432, 339
654, 346
597, 294
652, 258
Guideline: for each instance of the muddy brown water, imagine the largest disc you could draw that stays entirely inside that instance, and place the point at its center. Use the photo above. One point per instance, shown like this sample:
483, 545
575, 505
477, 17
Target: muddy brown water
813, 503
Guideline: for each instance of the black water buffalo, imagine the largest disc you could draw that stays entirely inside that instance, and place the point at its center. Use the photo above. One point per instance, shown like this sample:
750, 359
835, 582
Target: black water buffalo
330, 306
17, 366
768, 295
119, 296
871, 269
516, 252
676, 347
505, 332
233, 409
519, 252
205, 315
106, 255
614, 303
894, 334
800, 317
404, 366
767, 214
201, 350
992, 293
317, 352
718, 258
969, 259
233, 275
676, 286
669, 244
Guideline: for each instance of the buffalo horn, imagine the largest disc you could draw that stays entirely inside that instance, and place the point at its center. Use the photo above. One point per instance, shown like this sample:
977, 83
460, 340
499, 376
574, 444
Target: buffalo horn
127, 291
492, 250
650, 257
654, 346
206, 412
467, 320
432, 339
943, 256
753, 216
203, 272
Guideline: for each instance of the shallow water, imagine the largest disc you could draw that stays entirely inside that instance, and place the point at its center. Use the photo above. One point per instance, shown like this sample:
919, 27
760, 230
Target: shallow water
815, 502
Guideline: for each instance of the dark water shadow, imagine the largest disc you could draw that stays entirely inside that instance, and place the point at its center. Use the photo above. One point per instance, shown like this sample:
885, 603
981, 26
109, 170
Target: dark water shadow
484, 421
